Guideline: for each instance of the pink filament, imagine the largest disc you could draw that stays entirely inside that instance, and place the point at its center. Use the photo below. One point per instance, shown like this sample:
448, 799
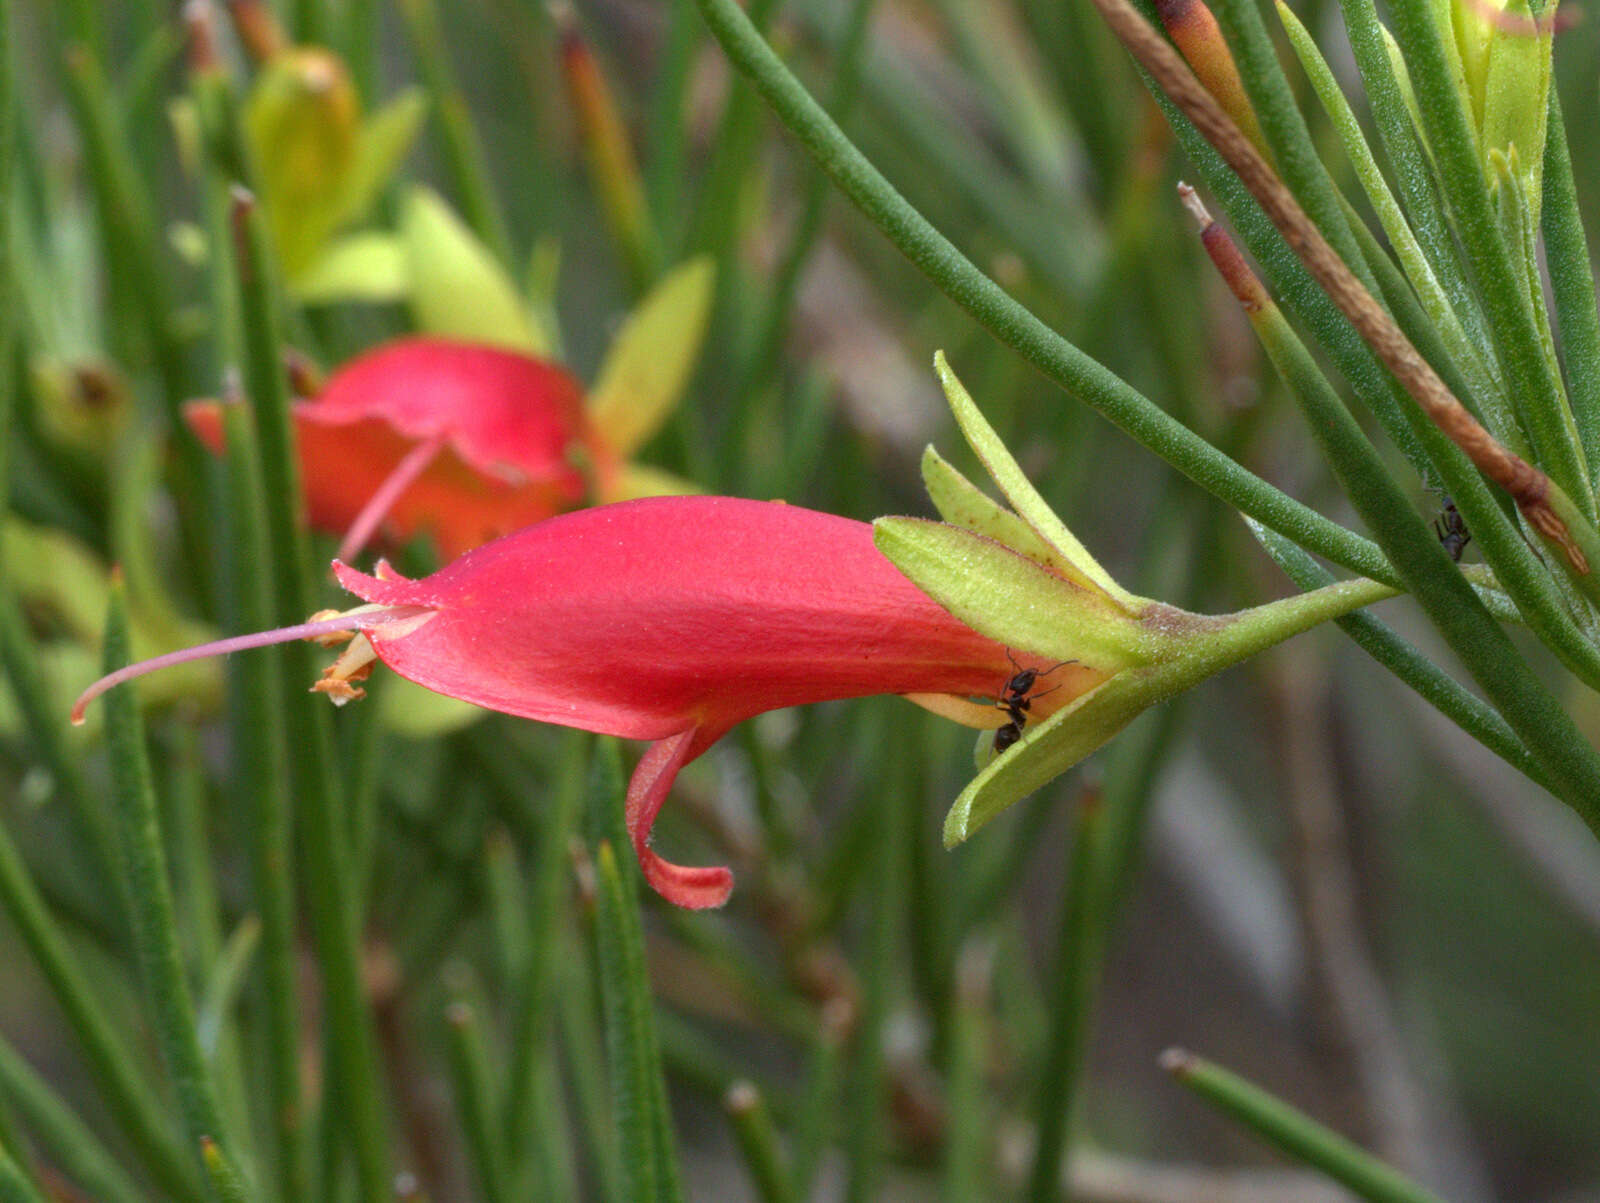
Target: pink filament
239, 643
382, 500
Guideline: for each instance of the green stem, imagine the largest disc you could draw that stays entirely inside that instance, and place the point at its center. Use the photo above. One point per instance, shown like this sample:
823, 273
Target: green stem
125, 1093
1293, 1132
1384, 506
464, 157
1515, 563
1513, 325
72, 1144
1430, 682
155, 930
1074, 985
335, 922
758, 1142
1013, 324
1567, 253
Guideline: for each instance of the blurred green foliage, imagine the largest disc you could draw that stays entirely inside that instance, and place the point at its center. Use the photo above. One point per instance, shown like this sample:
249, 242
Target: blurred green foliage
422, 965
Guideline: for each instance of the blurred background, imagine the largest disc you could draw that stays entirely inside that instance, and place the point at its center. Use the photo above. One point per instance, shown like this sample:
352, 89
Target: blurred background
1321, 885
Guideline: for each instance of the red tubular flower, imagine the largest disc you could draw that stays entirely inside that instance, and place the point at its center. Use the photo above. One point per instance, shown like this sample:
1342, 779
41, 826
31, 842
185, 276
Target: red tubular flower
668, 619
673, 619
466, 442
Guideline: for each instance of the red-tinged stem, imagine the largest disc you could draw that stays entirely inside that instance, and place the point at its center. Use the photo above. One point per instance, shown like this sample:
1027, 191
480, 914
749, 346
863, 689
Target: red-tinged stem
383, 499
351, 621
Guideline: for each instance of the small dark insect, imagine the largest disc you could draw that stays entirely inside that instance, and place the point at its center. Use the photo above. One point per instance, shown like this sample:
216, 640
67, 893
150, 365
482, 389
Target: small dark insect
1452, 530
1016, 699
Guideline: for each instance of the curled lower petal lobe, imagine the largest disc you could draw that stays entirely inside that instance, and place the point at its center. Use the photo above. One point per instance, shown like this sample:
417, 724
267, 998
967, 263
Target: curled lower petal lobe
695, 888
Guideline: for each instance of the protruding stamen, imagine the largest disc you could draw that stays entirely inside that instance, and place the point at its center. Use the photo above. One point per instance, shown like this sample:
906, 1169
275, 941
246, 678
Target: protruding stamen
350, 621
382, 500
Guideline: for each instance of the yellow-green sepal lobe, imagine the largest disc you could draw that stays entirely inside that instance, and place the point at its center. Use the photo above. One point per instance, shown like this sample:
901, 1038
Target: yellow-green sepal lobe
1010, 598
1019, 491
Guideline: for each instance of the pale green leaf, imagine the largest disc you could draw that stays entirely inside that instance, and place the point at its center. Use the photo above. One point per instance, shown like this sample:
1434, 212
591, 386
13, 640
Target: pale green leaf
384, 140
649, 364
418, 713
458, 289
368, 266
634, 481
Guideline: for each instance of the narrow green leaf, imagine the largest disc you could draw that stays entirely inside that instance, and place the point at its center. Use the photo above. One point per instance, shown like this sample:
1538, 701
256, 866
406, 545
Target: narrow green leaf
533, 1005
70, 1142
334, 914
1073, 986
1431, 683
464, 158
1572, 284
1513, 326
261, 746
15, 1185
125, 1091
968, 1146
1486, 389
155, 932
475, 1104
1058, 359
625, 994
223, 987
758, 1143
1293, 1132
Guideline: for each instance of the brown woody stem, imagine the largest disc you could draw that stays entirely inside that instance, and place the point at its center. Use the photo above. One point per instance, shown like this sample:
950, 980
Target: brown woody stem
1528, 486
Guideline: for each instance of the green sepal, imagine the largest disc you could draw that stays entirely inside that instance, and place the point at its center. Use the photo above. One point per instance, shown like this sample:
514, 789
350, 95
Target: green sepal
653, 356
632, 481
961, 503
1516, 97
458, 288
382, 144
1003, 594
367, 266
302, 120
1047, 749
1019, 491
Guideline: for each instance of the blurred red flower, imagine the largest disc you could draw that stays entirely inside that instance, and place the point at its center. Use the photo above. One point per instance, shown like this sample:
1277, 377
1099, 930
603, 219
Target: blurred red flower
422, 435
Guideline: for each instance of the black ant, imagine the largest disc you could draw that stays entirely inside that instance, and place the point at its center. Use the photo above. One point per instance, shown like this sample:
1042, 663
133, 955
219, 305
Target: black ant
1017, 699
1452, 530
